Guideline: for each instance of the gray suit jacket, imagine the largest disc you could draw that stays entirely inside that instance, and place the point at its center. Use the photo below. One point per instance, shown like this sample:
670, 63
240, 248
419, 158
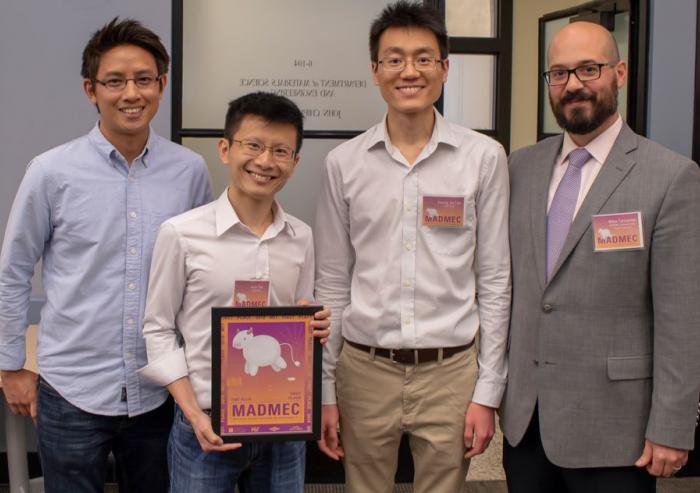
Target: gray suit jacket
609, 348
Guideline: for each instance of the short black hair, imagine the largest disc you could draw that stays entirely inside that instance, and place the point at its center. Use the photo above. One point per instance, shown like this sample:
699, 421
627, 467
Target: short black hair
408, 14
118, 33
268, 106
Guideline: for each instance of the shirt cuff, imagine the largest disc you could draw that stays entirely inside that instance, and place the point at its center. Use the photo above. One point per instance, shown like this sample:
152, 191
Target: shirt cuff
328, 393
488, 394
166, 369
13, 356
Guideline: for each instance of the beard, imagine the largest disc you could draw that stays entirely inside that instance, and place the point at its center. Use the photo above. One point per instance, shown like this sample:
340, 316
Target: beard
604, 104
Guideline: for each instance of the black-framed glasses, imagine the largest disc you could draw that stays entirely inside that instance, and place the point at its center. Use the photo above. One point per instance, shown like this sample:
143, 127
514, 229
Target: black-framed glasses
119, 83
254, 148
421, 63
584, 73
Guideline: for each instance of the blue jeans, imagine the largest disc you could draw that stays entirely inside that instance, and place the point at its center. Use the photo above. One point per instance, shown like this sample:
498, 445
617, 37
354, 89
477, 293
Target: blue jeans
288, 463
194, 471
74, 446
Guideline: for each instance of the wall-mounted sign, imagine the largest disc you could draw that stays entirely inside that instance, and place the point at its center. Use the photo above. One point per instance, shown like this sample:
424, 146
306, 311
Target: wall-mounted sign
231, 48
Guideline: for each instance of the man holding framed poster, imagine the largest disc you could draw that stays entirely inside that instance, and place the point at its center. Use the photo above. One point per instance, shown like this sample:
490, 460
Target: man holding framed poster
411, 224
241, 247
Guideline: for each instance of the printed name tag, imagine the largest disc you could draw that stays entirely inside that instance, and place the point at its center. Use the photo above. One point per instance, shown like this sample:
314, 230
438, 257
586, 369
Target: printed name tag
618, 232
443, 212
251, 293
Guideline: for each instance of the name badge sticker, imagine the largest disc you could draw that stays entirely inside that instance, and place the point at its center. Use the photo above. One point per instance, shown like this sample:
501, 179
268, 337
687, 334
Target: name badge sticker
443, 211
251, 293
621, 231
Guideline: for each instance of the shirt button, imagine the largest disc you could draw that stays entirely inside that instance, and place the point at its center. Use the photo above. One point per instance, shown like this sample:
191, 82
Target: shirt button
132, 251
408, 208
132, 286
132, 215
130, 321
547, 308
407, 283
409, 246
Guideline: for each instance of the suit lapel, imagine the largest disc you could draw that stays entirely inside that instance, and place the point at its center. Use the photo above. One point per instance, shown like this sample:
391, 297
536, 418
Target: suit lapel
616, 167
539, 191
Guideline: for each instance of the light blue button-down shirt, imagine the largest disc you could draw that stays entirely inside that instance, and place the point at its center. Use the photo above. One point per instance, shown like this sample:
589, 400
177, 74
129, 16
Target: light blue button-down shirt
93, 220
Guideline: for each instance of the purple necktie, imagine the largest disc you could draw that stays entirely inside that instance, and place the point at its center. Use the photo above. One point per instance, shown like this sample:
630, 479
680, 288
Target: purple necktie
561, 211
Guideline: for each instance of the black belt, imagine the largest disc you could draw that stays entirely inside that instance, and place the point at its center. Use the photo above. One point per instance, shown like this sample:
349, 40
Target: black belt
412, 356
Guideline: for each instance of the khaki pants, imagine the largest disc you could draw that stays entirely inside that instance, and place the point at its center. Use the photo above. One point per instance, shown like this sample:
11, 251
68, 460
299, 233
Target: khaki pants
379, 401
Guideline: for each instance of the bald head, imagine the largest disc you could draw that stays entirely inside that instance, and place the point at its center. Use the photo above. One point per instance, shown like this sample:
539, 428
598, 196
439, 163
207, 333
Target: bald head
583, 36
584, 101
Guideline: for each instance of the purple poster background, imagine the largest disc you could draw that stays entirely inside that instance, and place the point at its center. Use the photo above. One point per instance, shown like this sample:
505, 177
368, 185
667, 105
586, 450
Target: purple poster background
266, 375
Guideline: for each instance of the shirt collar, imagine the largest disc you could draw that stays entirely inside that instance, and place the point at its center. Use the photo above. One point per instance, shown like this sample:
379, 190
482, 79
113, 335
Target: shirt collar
280, 220
599, 148
226, 217
111, 154
442, 133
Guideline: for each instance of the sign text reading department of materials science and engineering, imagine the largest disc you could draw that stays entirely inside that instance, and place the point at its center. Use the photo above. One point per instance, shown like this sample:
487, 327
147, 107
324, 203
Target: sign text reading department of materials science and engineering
305, 88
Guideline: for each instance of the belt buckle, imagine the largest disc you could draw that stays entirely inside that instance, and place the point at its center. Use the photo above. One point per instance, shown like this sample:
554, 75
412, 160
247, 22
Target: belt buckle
391, 357
400, 356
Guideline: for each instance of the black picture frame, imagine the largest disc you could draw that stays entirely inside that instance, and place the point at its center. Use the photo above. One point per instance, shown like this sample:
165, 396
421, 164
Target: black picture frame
264, 313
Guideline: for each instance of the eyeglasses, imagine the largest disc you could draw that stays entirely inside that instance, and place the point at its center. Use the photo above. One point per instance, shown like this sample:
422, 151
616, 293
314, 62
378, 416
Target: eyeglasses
254, 148
119, 83
398, 64
584, 73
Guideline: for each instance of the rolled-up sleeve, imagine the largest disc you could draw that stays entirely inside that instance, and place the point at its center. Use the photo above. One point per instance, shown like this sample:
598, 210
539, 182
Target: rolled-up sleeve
166, 286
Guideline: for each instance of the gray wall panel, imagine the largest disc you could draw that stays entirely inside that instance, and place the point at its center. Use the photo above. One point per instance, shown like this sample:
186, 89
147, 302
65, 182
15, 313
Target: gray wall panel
672, 74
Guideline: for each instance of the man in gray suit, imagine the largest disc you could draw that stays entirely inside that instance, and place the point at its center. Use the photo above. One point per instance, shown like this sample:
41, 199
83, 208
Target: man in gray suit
604, 348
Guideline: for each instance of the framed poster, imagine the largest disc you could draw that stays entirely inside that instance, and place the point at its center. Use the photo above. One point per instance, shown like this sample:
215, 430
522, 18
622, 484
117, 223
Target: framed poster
266, 374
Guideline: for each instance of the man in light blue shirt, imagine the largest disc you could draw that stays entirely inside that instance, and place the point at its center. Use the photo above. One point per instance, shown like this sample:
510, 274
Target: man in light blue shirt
90, 209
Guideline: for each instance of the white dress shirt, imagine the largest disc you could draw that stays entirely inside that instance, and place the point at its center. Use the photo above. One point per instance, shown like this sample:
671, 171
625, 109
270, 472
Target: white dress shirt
196, 260
392, 282
598, 148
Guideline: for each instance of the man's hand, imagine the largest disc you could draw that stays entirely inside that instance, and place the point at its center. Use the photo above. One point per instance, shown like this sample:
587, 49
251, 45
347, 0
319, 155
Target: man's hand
479, 428
329, 443
208, 440
320, 324
660, 460
20, 391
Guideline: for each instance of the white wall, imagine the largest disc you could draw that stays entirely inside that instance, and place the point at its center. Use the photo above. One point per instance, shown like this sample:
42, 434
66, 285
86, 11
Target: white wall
41, 98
